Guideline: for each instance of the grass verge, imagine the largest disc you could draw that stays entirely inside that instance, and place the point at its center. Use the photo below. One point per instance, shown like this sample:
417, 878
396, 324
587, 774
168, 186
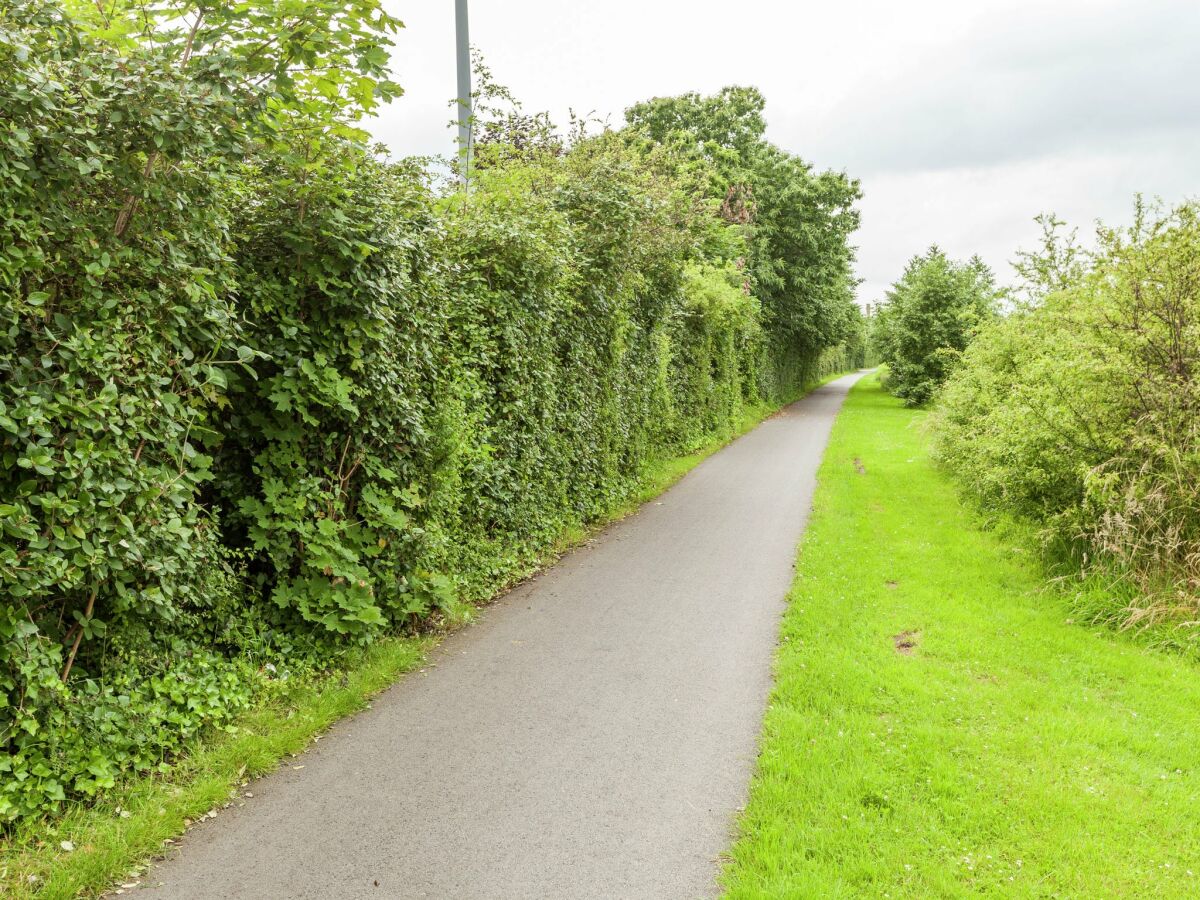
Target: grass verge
130, 824
112, 839
939, 727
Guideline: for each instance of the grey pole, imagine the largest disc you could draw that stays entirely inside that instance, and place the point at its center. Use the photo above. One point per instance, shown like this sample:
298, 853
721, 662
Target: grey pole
464, 86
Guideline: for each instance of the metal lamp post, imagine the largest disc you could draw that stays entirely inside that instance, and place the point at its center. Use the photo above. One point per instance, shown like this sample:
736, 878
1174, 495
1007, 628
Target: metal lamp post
463, 41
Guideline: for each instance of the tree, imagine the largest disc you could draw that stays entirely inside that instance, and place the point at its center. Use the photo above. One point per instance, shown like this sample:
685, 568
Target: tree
930, 316
801, 256
732, 119
796, 224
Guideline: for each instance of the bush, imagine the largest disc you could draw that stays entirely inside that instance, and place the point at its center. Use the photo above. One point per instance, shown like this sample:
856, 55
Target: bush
323, 443
1081, 413
930, 316
121, 611
113, 331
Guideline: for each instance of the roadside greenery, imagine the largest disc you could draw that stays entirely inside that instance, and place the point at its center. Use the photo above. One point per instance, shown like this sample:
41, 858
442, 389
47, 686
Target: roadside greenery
1080, 413
798, 246
938, 726
929, 317
130, 823
267, 395
124, 130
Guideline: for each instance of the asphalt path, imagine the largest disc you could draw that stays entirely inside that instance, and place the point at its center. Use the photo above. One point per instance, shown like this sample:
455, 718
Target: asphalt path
591, 736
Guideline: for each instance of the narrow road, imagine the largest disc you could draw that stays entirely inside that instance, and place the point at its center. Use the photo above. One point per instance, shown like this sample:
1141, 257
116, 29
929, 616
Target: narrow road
592, 736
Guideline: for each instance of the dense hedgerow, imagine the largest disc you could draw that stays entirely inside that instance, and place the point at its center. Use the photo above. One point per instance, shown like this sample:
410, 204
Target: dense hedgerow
265, 394
1080, 413
124, 617
112, 332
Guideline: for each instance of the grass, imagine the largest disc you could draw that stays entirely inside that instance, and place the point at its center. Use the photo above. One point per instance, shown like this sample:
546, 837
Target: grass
131, 823
939, 726
113, 838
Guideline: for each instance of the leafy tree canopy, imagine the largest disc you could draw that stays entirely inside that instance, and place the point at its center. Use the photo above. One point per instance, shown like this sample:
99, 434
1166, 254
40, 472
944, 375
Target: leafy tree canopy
930, 316
797, 223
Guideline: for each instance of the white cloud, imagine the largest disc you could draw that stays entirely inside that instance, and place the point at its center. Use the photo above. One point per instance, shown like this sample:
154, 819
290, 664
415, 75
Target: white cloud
989, 210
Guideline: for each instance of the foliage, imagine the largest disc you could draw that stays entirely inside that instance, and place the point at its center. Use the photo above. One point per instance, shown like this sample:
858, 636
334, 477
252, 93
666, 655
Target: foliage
1080, 414
319, 467
727, 126
801, 257
930, 316
109, 364
500, 130
1056, 265
797, 223
122, 137
574, 357
266, 395
717, 342
316, 66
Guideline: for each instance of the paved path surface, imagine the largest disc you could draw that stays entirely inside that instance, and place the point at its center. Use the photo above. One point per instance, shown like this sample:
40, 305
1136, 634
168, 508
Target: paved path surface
592, 736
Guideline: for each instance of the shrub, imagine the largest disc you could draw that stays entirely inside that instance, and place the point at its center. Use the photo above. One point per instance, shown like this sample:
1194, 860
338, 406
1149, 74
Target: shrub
717, 345
583, 348
117, 333
323, 444
1081, 413
114, 330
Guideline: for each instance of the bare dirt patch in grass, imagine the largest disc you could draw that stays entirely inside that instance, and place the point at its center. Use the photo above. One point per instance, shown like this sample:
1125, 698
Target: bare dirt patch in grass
906, 642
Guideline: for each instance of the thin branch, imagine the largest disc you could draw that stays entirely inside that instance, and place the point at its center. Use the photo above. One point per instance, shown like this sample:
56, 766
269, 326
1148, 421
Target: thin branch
87, 614
129, 207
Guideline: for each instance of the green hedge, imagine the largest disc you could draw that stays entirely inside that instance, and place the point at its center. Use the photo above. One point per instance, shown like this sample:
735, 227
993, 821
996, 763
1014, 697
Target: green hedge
301, 397
111, 346
1080, 414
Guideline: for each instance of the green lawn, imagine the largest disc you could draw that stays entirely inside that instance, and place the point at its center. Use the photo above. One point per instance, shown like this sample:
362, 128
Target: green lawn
1006, 752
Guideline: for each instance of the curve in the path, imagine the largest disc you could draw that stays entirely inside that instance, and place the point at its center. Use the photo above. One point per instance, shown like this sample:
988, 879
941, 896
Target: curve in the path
592, 736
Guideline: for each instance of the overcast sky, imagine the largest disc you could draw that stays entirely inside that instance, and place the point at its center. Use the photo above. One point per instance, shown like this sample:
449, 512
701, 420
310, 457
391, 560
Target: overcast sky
962, 118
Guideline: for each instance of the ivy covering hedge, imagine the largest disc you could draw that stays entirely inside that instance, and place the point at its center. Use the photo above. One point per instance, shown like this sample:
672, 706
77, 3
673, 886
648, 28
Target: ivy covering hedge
265, 394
